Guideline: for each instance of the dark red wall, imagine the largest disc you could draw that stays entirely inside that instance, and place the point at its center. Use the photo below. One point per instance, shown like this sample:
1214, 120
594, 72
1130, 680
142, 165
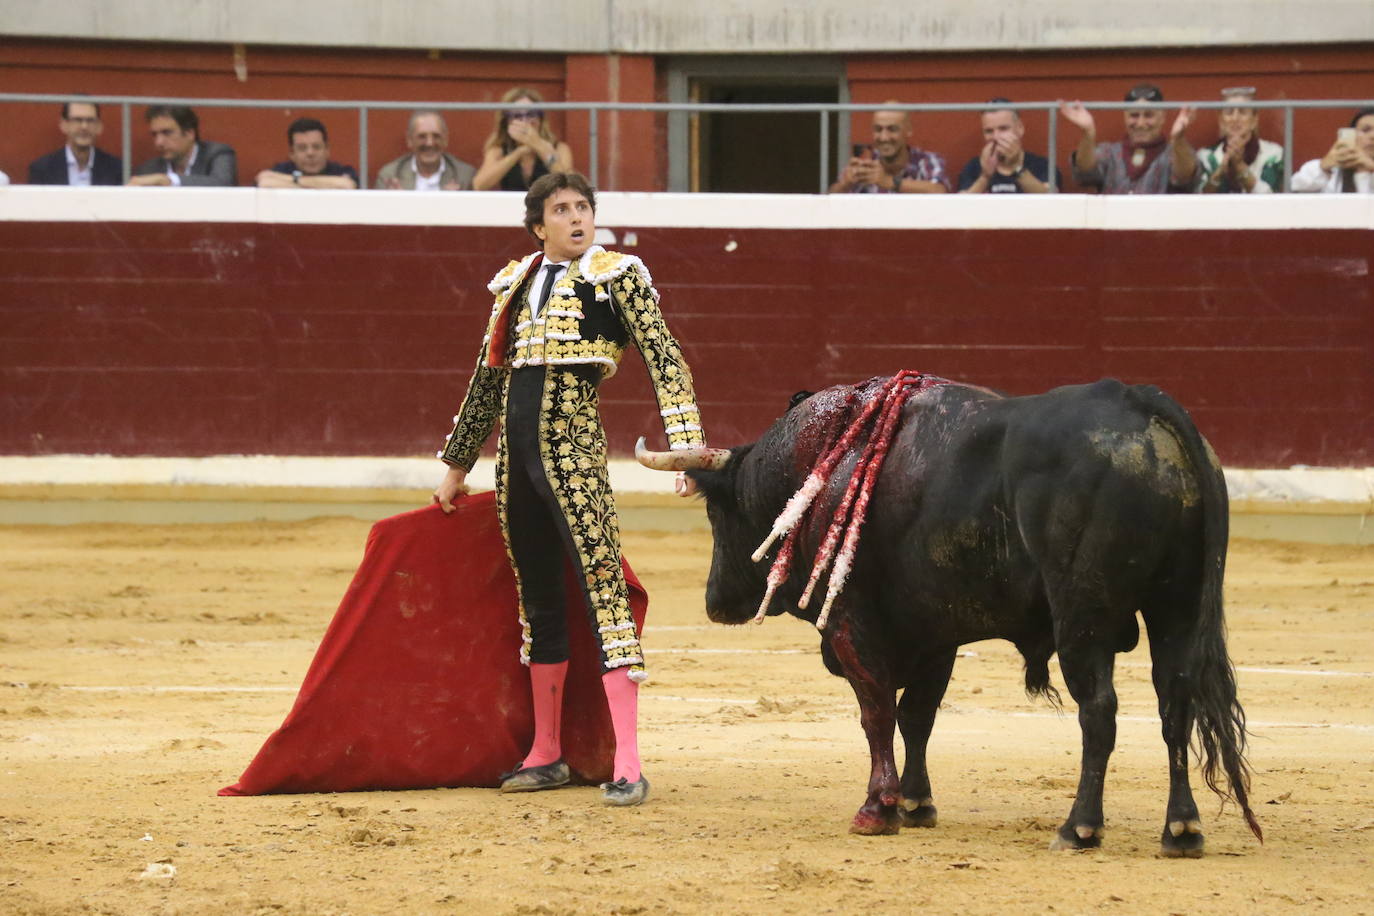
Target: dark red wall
149, 339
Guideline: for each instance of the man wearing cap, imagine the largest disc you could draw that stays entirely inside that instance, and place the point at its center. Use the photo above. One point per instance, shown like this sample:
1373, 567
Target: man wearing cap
1240, 162
1142, 162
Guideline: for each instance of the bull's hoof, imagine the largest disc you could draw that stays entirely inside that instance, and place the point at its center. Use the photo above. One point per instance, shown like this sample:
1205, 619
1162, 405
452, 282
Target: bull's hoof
1181, 840
875, 820
1076, 839
921, 814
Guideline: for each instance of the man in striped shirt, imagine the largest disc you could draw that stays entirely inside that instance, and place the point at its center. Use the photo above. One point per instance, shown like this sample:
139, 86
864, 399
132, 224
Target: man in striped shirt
891, 165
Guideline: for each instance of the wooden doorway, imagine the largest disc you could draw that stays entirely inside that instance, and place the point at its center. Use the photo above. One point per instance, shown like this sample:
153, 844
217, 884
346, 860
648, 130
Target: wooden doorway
754, 152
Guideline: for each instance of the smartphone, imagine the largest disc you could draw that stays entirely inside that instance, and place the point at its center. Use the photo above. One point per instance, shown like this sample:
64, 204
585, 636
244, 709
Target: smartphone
861, 151
1345, 135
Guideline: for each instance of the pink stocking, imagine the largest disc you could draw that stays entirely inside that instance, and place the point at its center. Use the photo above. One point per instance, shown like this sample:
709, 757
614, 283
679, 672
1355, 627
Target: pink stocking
546, 684
622, 695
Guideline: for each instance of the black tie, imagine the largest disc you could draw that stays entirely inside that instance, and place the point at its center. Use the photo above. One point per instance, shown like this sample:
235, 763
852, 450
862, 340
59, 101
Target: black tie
552, 270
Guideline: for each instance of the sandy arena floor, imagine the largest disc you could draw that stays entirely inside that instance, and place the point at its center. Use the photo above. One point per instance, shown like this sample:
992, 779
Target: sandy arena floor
142, 666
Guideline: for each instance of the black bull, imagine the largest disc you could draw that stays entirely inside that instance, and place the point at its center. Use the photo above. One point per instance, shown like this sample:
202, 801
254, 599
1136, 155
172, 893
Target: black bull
1049, 521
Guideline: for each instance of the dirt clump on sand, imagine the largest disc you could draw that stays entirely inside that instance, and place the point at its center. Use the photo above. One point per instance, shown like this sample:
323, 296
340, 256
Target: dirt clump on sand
144, 665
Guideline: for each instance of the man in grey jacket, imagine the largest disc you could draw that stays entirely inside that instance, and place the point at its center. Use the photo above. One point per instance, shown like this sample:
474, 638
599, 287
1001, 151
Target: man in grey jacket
428, 166
183, 158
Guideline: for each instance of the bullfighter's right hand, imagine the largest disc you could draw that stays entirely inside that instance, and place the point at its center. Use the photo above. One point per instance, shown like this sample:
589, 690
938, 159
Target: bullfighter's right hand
450, 488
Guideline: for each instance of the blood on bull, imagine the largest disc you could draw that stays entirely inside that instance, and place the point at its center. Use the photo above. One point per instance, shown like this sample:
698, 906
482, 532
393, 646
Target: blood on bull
1051, 521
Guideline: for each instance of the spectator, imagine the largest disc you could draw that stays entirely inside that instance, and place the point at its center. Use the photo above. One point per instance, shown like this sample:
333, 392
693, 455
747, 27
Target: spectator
79, 162
428, 167
1003, 167
1240, 162
309, 165
1136, 164
521, 148
1348, 167
892, 165
183, 158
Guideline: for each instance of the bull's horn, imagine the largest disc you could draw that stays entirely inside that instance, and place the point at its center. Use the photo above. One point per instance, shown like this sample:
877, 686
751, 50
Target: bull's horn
686, 459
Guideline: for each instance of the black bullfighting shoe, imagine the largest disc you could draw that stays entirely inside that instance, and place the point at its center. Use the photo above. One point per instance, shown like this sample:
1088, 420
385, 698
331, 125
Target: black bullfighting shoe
623, 793
532, 779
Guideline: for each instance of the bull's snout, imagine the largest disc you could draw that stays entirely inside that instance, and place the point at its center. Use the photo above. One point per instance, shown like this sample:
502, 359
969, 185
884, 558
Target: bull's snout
730, 618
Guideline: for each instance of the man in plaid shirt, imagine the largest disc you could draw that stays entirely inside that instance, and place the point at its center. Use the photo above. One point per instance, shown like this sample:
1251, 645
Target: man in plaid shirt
892, 165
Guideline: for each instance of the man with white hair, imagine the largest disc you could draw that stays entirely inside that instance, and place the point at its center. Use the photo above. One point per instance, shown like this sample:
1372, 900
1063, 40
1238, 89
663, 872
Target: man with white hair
1146, 160
428, 166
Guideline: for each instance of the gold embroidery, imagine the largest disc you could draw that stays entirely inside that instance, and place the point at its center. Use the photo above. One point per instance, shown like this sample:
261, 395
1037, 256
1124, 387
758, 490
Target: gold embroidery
572, 447
572, 441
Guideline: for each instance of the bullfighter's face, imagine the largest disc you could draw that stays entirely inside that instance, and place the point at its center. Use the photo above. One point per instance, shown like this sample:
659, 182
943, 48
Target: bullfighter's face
569, 225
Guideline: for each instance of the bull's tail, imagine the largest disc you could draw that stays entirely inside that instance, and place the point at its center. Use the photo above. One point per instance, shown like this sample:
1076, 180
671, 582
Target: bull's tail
1219, 719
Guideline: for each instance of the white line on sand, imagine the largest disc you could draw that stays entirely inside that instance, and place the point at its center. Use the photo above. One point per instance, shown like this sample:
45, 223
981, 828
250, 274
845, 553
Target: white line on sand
717, 701
1302, 672
695, 651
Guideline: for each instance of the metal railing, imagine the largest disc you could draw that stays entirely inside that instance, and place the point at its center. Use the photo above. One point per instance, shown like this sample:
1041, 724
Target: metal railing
681, 109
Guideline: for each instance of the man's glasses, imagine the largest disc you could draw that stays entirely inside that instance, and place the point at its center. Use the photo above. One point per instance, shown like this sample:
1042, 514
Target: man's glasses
525, 114
82, 120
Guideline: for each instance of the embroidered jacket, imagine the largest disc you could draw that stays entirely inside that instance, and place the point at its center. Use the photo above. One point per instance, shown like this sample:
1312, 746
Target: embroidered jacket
605, 300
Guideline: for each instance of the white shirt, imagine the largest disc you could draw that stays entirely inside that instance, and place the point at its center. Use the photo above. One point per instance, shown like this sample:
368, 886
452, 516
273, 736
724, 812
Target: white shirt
190, 160
76, 175
4, 179
537, 290
1311, 179
431, 183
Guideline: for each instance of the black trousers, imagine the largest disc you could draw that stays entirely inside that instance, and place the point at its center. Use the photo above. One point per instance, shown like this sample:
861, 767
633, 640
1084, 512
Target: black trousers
540, 542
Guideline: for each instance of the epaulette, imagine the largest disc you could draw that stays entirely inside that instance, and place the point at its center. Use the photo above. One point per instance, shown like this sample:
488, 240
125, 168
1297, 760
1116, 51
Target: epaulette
510, 273
599, 266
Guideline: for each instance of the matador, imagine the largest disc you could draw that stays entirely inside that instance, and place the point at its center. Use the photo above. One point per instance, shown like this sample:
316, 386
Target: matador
561, 321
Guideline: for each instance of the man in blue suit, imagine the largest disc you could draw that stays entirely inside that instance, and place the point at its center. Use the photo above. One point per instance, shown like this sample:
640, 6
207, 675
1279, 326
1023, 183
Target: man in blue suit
78, 163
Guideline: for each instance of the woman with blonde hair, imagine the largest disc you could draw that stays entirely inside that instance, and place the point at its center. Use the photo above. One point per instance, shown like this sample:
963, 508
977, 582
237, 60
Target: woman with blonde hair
521, 148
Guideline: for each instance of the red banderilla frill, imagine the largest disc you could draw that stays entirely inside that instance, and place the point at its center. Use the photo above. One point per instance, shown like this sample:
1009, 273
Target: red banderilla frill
852, 509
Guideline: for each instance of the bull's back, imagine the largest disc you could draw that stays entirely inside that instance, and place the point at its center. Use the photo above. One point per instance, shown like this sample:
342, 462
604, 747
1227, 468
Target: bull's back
998, 498
1100, 480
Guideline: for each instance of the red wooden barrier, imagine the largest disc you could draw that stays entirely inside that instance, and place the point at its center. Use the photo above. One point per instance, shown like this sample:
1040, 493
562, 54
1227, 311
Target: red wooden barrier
143, 338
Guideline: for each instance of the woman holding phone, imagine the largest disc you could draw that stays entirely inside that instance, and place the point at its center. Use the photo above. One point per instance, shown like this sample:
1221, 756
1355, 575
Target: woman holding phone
1348, 166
